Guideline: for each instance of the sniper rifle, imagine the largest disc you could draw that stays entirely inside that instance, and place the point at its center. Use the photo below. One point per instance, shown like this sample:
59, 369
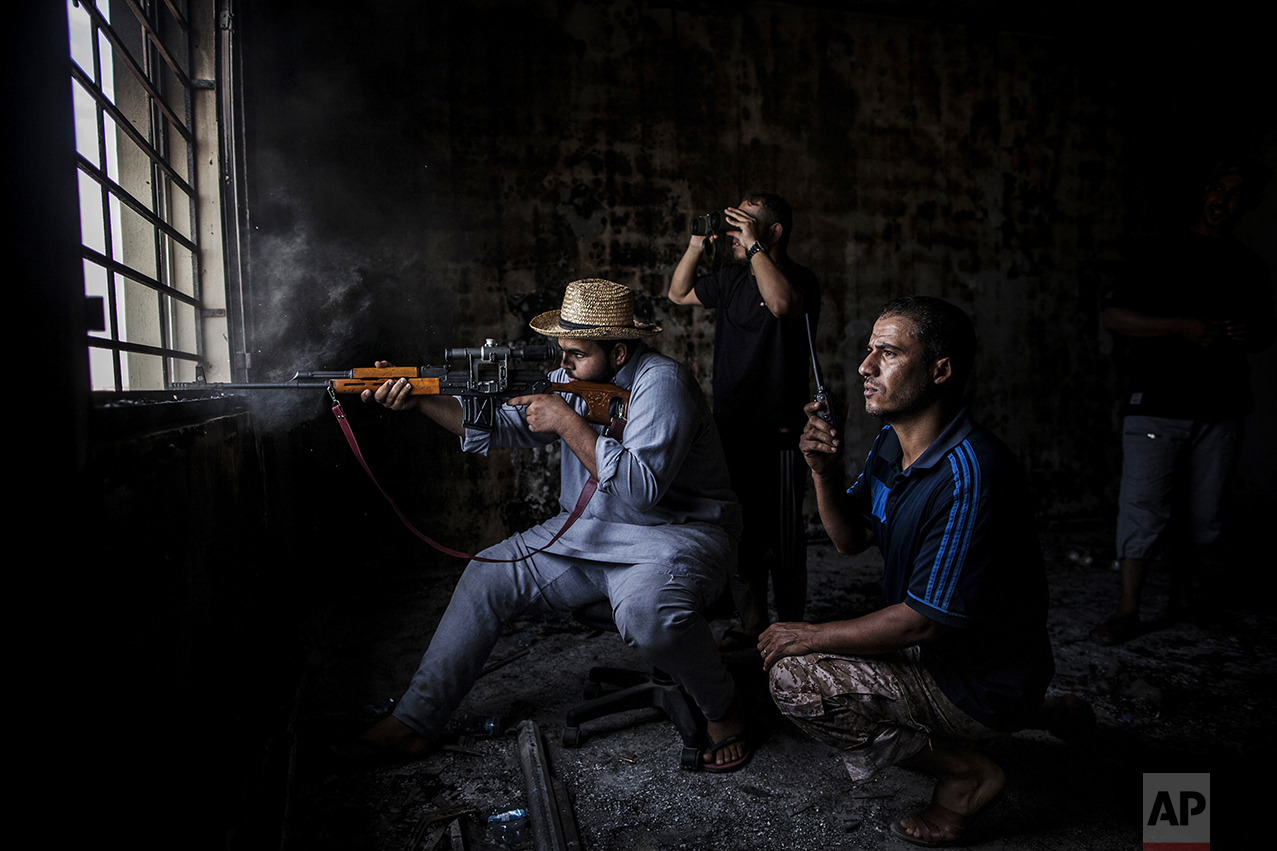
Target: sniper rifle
491, 375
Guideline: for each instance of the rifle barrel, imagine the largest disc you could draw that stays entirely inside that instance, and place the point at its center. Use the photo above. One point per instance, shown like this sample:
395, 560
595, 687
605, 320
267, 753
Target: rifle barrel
265, 385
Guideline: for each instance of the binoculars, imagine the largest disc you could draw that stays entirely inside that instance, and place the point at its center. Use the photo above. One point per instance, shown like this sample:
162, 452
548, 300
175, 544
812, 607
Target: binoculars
717, 251
710, 223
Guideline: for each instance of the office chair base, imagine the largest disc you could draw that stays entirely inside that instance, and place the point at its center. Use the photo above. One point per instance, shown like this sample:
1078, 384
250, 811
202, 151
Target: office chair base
637, 690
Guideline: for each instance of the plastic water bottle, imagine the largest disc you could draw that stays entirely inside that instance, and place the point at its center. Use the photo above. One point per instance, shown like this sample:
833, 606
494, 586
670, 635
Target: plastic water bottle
509, 827
476, 725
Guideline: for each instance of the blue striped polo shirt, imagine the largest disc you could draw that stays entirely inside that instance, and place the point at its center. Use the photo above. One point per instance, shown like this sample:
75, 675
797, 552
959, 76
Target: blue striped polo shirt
959, 542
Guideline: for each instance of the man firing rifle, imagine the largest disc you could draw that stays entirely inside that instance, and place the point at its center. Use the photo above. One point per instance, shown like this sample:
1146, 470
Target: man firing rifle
656, 541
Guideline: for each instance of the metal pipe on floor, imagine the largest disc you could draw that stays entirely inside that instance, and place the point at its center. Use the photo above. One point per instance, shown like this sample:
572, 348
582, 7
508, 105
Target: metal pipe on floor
551, 819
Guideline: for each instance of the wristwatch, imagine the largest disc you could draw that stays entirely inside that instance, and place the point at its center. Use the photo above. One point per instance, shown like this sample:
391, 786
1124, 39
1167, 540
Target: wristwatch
754, 249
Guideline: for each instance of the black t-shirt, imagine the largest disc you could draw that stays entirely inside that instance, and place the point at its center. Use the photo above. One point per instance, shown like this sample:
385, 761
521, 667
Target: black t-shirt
1212, 279
761, 361
960, 546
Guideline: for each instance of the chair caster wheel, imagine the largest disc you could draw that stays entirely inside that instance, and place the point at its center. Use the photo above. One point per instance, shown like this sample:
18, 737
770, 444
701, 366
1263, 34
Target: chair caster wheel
690, 759
572, 737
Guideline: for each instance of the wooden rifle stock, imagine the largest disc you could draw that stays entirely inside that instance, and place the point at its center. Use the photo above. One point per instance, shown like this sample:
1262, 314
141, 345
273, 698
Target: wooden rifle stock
603, 402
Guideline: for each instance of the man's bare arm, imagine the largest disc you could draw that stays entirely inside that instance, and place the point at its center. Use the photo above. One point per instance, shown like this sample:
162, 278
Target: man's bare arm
1133, 323
683, 281
781, 297
822, 449
846, 529
884, 631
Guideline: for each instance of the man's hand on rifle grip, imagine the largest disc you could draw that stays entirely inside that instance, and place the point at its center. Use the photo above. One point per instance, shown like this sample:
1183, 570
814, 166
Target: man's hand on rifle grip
546, 413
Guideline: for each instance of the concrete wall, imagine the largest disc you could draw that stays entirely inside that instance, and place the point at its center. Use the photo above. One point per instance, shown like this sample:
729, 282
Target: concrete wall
427, 180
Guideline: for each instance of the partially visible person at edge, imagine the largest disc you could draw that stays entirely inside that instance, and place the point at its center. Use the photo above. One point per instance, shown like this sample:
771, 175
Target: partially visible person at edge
657, 540
760, 380
959, 653
1189, 309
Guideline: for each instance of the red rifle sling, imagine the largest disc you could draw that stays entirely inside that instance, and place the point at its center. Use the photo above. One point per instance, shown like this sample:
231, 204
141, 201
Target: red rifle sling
615, 430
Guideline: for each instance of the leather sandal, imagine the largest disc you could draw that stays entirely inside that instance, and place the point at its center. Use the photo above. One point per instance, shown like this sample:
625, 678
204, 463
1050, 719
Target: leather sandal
937, 821
942, 823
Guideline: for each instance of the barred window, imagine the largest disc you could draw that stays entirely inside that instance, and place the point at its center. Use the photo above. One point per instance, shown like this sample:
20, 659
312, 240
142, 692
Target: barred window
147, 154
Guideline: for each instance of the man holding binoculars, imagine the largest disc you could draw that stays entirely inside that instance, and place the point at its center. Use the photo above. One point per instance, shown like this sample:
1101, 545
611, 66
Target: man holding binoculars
760, 383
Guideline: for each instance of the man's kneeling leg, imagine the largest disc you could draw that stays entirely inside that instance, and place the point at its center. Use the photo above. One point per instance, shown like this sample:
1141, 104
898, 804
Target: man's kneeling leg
878, 711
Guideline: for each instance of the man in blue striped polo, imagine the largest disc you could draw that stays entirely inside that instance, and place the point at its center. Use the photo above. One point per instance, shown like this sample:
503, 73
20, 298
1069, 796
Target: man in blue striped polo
960, 651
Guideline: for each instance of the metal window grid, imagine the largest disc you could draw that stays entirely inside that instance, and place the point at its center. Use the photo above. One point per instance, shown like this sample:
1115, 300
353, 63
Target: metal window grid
154, 52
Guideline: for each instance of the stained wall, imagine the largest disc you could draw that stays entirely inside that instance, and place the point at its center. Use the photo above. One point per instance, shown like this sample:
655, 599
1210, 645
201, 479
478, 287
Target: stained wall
422, 179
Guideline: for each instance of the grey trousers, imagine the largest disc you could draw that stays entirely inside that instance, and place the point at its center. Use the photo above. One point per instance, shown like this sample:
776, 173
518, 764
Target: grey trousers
1161, 454
657, 613
877, 710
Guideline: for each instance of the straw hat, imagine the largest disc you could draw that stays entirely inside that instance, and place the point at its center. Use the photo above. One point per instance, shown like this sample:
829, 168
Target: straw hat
594, 309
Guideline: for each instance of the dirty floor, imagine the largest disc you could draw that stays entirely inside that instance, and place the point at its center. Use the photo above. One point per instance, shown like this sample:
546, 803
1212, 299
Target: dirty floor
1185, 696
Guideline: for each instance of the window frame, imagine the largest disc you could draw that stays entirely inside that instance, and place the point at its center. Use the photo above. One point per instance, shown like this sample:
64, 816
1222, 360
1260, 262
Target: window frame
183, 77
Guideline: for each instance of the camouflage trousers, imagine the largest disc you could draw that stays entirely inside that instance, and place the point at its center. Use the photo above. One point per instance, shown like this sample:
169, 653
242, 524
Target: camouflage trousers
876, 710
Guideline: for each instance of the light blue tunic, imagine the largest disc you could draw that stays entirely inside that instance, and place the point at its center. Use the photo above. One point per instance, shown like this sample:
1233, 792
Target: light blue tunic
664, 495
657, 541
